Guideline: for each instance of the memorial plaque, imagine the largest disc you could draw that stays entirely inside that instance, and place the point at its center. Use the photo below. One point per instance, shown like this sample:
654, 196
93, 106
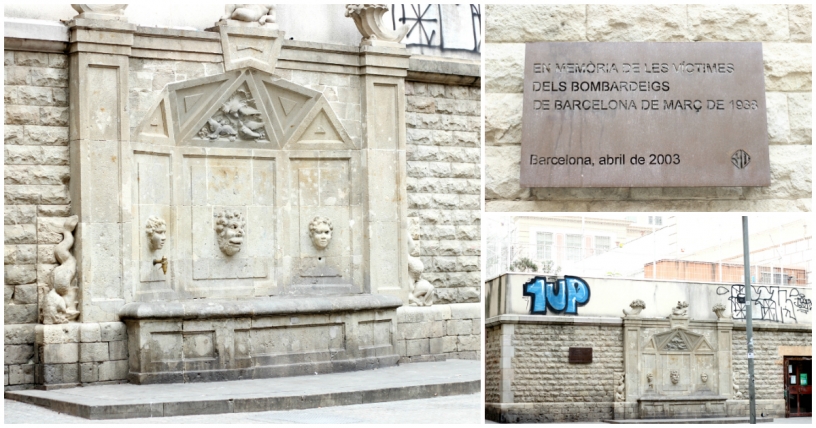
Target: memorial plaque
580, 355
644, 115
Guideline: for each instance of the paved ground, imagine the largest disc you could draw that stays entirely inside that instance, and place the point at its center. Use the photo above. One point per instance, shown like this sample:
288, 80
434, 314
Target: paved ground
458, 409
808, 421
228, 400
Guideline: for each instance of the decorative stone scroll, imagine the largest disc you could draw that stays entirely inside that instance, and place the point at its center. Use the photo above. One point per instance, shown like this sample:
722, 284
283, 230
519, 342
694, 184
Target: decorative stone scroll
369, 21
60, 304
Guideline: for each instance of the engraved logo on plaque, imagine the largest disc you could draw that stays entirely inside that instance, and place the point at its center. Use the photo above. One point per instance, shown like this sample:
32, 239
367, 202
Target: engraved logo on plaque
740, 159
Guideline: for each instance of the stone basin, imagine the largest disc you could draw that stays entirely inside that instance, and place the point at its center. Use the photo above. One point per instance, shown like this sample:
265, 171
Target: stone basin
211, 340
690, 406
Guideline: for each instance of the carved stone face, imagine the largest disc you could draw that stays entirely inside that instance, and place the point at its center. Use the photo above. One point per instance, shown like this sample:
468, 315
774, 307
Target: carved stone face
229, 225
320, 231
156, 230
704, 377
674, 375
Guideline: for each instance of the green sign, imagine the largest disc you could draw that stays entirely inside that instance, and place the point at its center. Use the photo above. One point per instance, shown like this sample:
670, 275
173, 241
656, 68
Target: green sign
803, 379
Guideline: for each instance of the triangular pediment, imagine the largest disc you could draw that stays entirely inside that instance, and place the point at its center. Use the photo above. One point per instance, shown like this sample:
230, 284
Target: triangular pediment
246, 106
678, 340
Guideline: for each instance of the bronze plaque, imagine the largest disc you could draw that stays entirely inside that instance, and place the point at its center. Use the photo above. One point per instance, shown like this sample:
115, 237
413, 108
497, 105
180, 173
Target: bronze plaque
644, 115
580, 355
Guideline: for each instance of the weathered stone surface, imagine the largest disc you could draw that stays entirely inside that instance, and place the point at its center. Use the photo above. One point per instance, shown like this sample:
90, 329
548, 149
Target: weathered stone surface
54, 116
34, 59
800, 18
22, 115
93, 352
502, 173
778, 123
36, 155
503, 119
20, 274
19, 334
19, 214
36, 174
739, 22
628, 23
113, 331
49, 230
46, 135
19, 254
60, 353
534, 23
20, 234
21, 374
88, 372
25, 294
51, 77
35, 96
90, 332
19, 314
788, 66
18, 354
37, 194
800, 112
118, 350
504, 67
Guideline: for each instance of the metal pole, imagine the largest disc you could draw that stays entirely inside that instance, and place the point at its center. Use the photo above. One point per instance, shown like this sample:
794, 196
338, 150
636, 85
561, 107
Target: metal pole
748, 325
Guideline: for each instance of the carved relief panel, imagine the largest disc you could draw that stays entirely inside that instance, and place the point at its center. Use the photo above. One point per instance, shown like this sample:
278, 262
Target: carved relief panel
238, 166
676, 359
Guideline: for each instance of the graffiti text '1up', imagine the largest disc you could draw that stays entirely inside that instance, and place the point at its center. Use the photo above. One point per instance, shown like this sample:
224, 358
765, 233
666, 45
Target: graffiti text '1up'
561, 297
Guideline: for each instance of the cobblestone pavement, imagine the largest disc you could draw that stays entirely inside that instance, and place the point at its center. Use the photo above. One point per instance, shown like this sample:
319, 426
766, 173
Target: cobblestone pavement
458, 409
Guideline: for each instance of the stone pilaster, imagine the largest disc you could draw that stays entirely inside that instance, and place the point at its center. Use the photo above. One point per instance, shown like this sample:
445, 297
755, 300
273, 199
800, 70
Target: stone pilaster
99, 127
385, 200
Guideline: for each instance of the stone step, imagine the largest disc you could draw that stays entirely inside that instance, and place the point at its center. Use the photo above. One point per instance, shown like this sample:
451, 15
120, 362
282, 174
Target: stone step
403, 382
732, 420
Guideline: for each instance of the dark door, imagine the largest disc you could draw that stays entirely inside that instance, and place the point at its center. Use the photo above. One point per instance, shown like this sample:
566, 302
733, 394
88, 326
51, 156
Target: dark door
798, 388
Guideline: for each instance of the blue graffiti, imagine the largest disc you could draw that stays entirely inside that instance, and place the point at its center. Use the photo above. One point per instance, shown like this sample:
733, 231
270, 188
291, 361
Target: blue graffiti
563, 296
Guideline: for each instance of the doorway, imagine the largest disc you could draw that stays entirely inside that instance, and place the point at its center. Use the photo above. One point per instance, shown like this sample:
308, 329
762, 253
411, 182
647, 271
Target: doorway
798, 387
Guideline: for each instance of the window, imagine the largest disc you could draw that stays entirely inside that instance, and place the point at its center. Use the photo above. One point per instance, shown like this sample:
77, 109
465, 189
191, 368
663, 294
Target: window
544, 241
602, 244
574, 247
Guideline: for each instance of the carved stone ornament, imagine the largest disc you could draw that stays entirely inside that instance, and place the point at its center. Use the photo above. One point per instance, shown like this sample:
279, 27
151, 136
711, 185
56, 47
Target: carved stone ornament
718, 309
369, 21
637, 306
238, 118
229, 227
650, 381
421, 290
681, 310
674, 375
704, 378
59, 306
735, 387
620, 388
101, 11
254, 14
320, 232
156, 230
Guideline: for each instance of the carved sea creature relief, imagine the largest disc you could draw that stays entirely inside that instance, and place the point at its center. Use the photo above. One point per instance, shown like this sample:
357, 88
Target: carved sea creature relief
421, 290
60, 304
620, 388
236, 119
260, 13
735, 387
681, 310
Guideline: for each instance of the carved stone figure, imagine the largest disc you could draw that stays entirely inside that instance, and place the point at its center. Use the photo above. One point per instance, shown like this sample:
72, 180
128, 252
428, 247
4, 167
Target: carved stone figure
260, 13
681, 310
229, 226
236, 119
620, 389
718, 309
320, 231
674, 375
369, 21
101, 11
637, 306
156, 230
676, 344
737, 393
704, 378
421, 290
60, 304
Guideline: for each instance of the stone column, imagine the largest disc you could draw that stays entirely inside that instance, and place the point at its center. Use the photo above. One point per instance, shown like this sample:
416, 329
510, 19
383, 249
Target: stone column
631, 364
724, 328
385, 201
506, 364
99, 54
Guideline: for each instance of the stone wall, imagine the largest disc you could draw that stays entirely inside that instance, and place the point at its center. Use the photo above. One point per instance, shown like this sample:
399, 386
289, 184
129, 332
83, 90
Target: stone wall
492, 370
769, 370
444, 182
36, 176
785, 32
439, 332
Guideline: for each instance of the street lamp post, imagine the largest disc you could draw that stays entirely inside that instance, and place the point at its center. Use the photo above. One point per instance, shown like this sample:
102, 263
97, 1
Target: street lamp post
748, 318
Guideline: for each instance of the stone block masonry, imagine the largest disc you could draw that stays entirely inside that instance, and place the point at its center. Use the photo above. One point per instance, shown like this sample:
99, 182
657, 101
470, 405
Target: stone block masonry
444, 182
36, 200
784, 30
439, 332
